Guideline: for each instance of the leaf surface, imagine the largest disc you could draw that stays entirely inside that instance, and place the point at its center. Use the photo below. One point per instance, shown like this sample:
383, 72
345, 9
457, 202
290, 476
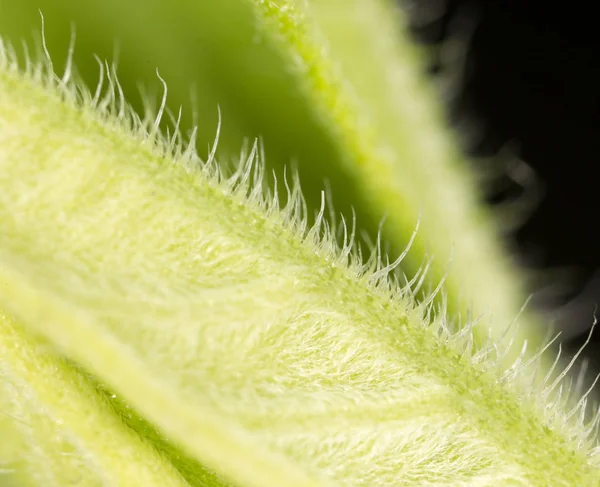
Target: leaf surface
253, 343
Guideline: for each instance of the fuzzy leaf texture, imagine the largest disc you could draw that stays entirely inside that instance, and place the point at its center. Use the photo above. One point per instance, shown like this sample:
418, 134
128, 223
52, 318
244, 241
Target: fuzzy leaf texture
236, 344
56, 429
333, 86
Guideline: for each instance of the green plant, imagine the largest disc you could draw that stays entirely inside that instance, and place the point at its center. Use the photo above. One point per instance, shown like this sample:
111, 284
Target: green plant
333, 87
218, 333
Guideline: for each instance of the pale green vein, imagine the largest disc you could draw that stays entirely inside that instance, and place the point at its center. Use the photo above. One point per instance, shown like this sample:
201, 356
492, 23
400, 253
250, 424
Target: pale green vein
211, 313
55, 430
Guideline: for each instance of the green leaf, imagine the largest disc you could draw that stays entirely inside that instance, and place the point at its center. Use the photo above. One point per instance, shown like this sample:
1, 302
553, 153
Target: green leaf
56, 430
335, 86
266, 353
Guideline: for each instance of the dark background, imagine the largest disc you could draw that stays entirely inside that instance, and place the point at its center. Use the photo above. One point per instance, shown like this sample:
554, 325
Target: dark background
525, 76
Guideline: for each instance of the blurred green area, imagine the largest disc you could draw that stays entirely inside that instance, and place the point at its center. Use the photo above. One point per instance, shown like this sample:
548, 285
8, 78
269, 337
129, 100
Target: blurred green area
211, 54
